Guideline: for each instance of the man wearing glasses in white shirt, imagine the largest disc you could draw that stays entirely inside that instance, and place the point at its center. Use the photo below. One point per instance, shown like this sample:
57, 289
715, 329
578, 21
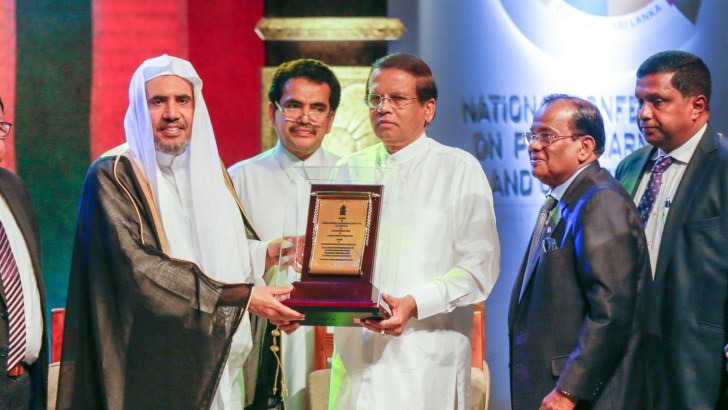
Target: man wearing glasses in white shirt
448, 259
303, 98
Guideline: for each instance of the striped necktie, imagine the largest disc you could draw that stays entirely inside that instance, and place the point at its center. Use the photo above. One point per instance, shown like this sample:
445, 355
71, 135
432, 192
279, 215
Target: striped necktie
13, 299
647, 202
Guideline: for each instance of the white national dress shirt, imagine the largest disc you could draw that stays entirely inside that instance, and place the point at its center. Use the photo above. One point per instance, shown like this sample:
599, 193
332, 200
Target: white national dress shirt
443, 249
670, 180
262, 183
31, 296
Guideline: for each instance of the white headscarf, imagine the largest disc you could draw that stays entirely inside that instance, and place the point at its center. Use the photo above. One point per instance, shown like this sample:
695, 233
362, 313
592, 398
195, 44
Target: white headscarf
217, 228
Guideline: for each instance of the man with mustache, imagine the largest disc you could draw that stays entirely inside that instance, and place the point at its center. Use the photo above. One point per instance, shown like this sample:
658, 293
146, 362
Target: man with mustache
303, 99
157, 304
575, 317
445, 260
680, 182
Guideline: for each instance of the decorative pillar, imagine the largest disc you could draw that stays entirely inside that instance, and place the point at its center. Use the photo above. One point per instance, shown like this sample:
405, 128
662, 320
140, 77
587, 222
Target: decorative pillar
348, 42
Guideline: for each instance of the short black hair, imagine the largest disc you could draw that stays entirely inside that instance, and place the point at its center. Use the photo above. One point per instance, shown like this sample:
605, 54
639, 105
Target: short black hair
586, 119
311, 69
426, 87
691, 77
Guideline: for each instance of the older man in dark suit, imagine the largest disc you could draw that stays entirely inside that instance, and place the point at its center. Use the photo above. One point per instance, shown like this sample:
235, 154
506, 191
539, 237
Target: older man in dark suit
576, 309
680, 181
23, 347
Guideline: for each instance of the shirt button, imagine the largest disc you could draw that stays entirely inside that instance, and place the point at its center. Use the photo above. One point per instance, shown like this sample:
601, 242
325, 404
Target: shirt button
3, 352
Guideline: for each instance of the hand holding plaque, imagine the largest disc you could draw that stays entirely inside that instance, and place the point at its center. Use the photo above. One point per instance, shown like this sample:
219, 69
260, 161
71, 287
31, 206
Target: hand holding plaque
338, 256
282, 251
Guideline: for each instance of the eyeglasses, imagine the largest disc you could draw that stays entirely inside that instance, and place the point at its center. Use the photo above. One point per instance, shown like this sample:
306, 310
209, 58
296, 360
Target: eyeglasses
545, 138
374, 101
5, 128
293, 111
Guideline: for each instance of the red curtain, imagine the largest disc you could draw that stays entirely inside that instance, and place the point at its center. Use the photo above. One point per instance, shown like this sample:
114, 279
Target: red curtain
217, 37
229, 56
8, 59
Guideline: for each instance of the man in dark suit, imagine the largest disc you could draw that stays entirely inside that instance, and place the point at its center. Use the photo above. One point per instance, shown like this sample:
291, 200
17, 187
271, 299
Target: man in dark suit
576, 308
687, 231
23, 347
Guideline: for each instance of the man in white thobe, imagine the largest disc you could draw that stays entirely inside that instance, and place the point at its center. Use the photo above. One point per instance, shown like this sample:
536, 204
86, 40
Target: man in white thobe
157, 289
440, 209
303, 97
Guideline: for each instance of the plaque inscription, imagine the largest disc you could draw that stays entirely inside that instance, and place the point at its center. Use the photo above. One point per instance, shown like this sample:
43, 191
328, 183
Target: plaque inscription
341, 233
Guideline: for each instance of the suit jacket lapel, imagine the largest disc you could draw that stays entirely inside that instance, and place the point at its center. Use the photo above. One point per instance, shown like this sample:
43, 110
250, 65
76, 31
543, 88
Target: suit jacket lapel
634, 171
516, 292
571, 194
699, 165
516, 300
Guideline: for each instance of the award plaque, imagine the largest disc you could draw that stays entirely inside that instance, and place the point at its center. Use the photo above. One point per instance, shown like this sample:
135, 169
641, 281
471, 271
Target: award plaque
338, 256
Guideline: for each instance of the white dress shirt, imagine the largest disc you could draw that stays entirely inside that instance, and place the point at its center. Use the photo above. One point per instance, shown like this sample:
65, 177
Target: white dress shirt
670, 180
31, 296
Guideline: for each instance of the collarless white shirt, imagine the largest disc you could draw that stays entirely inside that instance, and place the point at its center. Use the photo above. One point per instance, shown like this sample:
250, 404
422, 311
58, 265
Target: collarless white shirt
670, 181
31, 295
263, 184
442, 248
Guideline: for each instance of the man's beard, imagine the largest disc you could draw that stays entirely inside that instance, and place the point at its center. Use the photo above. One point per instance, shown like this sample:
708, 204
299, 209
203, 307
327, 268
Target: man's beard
171, 149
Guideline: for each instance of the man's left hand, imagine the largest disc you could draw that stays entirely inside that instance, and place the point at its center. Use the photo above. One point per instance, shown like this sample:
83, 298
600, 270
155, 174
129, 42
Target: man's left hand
282, 251
557, 401
402, 309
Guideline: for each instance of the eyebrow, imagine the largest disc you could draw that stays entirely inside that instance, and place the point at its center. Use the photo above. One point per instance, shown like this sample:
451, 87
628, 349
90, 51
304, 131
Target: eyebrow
165, 97
315, 103
394, 92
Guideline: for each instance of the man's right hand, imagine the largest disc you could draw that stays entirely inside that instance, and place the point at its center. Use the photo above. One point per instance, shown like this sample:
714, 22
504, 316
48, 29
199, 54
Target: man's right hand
265, 302
558, 400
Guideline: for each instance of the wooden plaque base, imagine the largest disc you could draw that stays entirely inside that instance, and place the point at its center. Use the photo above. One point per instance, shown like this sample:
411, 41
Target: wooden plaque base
334, 303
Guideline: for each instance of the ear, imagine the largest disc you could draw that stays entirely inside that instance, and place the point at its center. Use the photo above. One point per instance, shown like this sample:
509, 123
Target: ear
700, 103
329, 123
430, 107
272, 115
587, 145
